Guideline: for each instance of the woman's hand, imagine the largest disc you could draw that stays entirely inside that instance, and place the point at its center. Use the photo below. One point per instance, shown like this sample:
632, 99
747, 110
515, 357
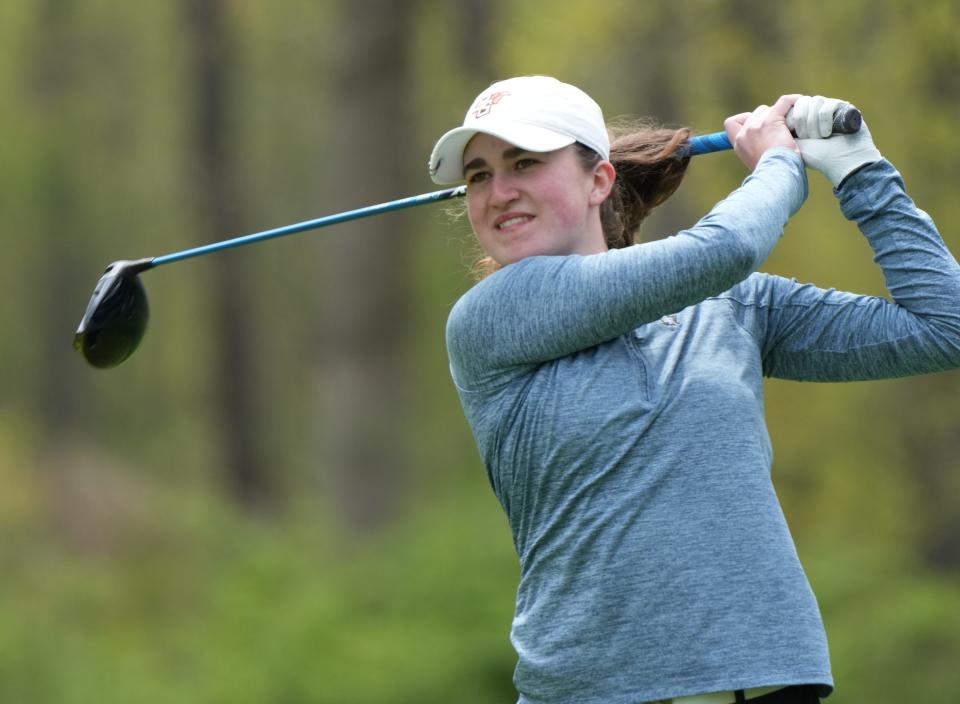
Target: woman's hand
753, 133
836, 156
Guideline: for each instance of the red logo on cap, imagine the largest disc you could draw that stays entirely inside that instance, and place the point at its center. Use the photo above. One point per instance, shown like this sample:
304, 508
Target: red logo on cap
485, 105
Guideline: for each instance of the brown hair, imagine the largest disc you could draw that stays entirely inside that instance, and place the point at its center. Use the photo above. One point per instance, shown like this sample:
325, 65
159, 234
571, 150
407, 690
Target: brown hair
650, 162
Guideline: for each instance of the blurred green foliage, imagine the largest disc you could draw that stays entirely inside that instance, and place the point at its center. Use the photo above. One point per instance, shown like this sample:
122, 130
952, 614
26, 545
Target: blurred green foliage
124, 590
130, 576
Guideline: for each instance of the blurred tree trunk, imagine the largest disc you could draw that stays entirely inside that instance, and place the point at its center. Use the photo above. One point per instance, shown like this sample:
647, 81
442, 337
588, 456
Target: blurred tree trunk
365, 286
932, 441
476, 40
217, 196
58, 218
653, 82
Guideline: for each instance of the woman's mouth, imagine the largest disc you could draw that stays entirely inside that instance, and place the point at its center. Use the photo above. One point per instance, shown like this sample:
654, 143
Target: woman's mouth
512, 221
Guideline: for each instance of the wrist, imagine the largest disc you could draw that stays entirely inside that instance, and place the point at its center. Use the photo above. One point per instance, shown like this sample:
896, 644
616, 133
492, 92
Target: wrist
782, 154
854, 172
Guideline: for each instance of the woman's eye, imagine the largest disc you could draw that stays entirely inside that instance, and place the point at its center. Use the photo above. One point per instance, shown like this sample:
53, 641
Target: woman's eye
477, 177
524, 164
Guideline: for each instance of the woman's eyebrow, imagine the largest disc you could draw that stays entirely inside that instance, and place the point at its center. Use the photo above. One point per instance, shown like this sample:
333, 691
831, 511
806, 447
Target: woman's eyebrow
477, 163
511, 153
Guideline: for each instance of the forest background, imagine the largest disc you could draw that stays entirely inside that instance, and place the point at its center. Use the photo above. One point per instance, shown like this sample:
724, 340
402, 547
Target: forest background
277, 499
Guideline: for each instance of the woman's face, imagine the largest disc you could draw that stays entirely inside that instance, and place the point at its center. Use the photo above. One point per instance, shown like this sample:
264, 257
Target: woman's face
522, 203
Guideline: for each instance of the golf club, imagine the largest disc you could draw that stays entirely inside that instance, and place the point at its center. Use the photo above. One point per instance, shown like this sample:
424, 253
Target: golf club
116, 316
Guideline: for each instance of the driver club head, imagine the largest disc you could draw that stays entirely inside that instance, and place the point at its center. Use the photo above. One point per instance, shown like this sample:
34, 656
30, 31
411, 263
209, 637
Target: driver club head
116, 316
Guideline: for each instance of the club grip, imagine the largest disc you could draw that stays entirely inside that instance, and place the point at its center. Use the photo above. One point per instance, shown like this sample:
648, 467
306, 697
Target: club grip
846, 119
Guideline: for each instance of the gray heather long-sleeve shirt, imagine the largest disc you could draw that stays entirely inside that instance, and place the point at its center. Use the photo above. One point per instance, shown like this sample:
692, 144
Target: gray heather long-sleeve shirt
617, 403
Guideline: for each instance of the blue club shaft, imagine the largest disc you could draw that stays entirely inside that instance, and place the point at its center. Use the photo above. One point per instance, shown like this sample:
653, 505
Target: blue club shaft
312, 224
707, 143
702, 144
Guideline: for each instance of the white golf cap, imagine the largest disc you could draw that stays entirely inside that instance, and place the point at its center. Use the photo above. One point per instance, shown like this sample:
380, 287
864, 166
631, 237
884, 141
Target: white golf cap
536, 113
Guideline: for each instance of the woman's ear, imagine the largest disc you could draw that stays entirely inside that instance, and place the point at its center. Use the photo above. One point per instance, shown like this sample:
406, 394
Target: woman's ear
604, 176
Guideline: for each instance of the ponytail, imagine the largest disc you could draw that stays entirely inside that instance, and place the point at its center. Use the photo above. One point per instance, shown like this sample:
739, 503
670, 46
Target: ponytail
650, 162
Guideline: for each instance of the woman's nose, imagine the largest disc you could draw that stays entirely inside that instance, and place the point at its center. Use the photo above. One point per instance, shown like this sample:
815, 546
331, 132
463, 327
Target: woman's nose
503, 190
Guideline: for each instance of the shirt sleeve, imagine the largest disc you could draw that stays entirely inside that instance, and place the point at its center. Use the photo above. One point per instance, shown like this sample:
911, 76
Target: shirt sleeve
815, 334
543, 308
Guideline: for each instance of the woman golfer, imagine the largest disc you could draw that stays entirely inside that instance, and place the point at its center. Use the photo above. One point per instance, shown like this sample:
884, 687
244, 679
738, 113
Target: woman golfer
615, 391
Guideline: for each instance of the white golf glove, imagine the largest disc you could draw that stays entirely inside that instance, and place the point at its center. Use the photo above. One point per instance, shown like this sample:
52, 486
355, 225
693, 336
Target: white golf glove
837, 156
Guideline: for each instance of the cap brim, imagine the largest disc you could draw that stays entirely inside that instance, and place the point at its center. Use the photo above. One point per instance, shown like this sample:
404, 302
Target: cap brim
446, 161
